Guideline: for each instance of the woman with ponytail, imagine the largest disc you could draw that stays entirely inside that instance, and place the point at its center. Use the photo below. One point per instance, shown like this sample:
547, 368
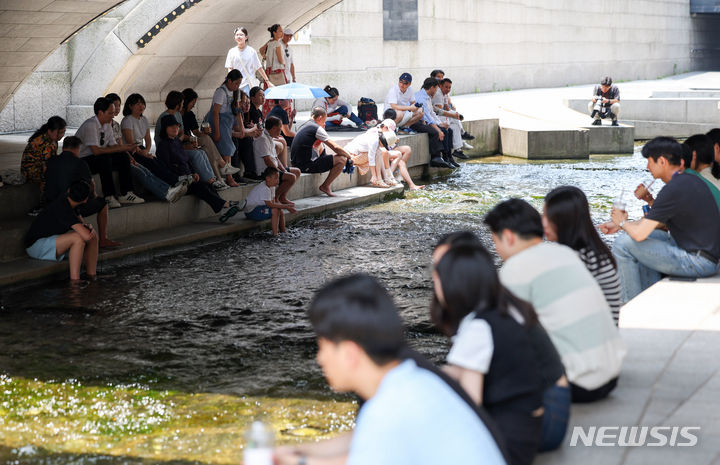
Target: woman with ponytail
337, 109
42, 145
274, 54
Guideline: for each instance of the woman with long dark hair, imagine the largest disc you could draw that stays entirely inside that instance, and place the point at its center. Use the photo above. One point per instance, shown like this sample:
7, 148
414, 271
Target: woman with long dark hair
566, 220
223, 115
500, 355
337, 109
42, 145
274, 54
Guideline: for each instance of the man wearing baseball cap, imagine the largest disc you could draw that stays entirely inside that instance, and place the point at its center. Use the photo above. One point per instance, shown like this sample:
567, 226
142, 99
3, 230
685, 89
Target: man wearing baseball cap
401, 99
289, 64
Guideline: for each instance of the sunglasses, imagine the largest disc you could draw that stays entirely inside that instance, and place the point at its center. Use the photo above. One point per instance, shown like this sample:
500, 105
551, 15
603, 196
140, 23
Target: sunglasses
102, 139
287, 53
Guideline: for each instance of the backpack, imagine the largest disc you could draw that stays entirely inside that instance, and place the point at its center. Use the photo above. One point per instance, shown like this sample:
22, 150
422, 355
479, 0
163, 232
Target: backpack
367, 110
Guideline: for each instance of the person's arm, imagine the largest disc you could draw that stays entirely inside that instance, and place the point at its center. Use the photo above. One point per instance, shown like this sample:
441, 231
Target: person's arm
441, 135
263, 50
337, 149
268, 159
292, 71
287, 131
329, 452
470, 380
148, 143
96, 150
240, 131
281, 206
216, 121
638, 230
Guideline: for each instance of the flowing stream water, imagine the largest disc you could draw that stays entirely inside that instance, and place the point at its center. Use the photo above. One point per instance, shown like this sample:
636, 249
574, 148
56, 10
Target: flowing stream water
170, 360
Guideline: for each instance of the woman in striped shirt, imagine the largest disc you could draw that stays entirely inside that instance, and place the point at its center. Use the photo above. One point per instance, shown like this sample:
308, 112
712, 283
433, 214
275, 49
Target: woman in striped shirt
566, 220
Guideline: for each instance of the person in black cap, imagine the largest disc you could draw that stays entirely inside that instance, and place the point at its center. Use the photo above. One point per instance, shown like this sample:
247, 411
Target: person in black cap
605, 102
401, 98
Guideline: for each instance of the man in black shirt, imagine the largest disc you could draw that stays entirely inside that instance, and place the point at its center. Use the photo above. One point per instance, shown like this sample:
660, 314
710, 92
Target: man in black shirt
58, 232
605, 102
308, 154
66, 168
687, 207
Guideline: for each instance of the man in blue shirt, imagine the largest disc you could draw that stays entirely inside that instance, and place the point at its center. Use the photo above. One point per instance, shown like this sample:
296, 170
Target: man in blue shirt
439, 133
411, 416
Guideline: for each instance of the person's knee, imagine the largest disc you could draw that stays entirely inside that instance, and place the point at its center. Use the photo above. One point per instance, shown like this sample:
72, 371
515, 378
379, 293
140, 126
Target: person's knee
591, 106
615, 109
623, 246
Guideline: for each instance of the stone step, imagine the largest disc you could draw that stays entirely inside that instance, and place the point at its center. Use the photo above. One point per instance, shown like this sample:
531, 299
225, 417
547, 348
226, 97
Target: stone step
611, 139
543, 143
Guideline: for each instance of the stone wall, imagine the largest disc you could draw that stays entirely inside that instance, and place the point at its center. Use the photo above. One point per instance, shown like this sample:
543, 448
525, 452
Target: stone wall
489, 45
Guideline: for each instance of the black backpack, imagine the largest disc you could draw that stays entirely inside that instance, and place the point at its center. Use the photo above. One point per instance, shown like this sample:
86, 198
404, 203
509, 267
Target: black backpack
367, 110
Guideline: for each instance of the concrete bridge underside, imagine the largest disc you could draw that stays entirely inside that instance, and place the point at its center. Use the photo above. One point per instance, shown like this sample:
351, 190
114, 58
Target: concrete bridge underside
90, 46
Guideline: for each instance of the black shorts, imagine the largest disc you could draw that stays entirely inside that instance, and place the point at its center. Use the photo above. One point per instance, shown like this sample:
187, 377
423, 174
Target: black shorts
319, 165
91, 207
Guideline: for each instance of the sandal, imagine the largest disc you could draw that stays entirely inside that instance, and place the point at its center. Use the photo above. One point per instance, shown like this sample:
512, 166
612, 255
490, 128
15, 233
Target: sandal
380, 184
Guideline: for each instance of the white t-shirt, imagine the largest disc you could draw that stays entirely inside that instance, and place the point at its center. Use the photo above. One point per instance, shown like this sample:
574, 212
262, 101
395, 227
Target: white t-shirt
264, 146
322, 136
288, 62
245, 61
224, 97
369, 141
395, 95
258, 196
91, 132
139, 126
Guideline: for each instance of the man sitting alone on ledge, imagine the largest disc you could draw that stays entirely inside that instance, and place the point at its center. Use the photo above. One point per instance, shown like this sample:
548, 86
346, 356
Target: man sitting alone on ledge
605, 102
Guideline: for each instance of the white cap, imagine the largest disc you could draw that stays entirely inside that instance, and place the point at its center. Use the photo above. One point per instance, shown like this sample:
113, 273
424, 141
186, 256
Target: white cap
389, 123
288, 31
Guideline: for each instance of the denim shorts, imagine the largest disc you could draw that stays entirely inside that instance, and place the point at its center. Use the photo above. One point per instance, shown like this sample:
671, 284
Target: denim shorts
45, 249
259, 213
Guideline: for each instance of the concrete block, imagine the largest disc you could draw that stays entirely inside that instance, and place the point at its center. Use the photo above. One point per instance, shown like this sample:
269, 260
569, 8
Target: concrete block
487, 136
703, 111
645, 130
150, 216
78, 50
92, 81
545, 144
611, 139
56, 61
77, 114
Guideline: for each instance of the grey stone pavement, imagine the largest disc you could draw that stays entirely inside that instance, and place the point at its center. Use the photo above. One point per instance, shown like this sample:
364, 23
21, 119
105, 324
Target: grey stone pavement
669, 378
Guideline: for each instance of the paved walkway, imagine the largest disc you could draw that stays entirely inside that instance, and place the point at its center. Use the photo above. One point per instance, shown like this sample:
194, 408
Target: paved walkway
670, 378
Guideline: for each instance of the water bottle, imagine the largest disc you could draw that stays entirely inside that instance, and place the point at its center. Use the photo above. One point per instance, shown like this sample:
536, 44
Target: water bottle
258, 445
619, 202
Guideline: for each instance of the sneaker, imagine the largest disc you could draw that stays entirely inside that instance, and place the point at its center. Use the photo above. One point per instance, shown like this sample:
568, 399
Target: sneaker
460, 154
175, 193
35, 211
372, 123
228, 212
597, 122
220, 185
467, 146
364, 127
228, 169
467, 136
615, 123
112, 202
130, 198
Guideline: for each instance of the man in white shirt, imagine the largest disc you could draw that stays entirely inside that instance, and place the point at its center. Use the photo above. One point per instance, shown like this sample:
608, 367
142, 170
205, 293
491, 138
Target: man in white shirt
104, 154
401, 99
289, 64
411, 415
266, 150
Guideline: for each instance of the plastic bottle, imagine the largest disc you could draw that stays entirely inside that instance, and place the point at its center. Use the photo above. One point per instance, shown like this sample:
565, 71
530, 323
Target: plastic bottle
258, 445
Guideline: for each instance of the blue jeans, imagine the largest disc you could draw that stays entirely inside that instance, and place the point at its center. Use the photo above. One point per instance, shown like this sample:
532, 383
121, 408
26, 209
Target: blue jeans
201, 164
556, 401
642, 264
149, 181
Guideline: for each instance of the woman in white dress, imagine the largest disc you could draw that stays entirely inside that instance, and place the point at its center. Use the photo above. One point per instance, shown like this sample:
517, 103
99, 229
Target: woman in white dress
245, 59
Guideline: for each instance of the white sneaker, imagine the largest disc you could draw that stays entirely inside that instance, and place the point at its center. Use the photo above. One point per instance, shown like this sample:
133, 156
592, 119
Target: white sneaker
112, 202
130, 198
372, 123
228, 169
467, 146
220, 185
175, 193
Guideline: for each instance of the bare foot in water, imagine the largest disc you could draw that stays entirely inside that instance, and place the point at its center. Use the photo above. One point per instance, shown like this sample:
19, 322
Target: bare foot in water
327, 191
415, 187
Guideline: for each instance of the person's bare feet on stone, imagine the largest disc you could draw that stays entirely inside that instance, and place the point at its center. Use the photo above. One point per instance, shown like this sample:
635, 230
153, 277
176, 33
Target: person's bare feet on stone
326, 190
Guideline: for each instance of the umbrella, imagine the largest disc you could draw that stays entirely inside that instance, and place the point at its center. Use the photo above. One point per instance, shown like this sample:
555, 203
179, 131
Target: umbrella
294, 91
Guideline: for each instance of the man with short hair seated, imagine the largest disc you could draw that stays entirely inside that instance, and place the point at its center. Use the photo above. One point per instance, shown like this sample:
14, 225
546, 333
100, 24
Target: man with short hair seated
567, 298
686, 206
267, 150
447, 113
103, 154
401, 98
308, 152
439, 133
58, 232
67, 168
411, 415
605, 102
